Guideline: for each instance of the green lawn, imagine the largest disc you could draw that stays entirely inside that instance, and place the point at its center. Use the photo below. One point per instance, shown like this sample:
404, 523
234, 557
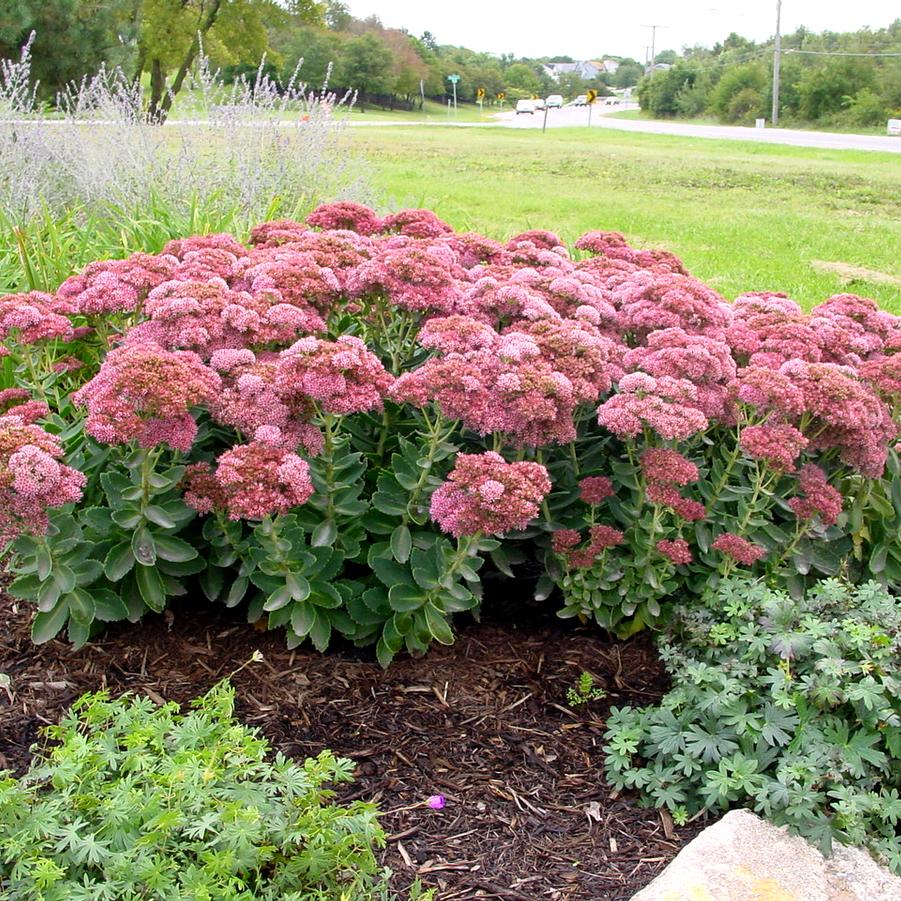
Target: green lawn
431, 112
743, 217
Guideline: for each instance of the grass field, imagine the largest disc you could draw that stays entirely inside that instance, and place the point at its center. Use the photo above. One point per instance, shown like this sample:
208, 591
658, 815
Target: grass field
431, 112
744, 217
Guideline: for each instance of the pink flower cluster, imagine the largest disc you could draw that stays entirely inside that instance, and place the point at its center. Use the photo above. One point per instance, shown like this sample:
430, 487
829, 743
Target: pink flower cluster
345, 215
676, 550
117, 286
508, 388
739, 549
340, 376
251, 481
665, 469
417, 276
600, 538
665, 405
32, 478
595, 489
705, 362
661, 464
144, 393
33, 317
777, 444
820, 498
485, 494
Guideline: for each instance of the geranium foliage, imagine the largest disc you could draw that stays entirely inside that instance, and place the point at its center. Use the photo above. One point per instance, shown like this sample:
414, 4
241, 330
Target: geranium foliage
344, 421
791, 706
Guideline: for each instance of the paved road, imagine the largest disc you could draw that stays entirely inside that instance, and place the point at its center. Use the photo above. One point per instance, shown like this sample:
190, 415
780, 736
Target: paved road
571, 116
600, 118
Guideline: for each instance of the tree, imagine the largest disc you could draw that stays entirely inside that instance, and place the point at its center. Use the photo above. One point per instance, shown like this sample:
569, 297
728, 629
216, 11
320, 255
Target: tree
628, 74
233, 32
73, 38
337, 15
522, 77
366, 67
741, 93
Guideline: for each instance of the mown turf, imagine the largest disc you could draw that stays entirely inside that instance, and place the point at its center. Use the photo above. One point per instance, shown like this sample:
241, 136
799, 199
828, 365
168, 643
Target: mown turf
744, 217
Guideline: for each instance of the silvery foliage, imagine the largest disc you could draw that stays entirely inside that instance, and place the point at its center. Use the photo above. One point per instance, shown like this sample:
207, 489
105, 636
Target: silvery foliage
251, 149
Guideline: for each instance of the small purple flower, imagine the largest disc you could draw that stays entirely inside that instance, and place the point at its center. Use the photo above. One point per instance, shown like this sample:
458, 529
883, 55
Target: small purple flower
436, 802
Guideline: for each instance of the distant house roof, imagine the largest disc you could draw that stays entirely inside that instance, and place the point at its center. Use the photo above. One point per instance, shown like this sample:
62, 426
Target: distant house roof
585, 69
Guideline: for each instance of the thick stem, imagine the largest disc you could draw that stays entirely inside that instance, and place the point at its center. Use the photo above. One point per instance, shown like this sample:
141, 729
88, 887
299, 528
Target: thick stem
800, 531
436, 435
328, 453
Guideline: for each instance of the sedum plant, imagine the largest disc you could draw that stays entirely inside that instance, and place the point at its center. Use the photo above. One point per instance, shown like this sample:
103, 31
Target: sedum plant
131, 801
344, 422
791, 707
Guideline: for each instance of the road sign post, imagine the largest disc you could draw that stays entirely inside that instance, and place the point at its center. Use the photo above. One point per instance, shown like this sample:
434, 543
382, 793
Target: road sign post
453, 79
590, 97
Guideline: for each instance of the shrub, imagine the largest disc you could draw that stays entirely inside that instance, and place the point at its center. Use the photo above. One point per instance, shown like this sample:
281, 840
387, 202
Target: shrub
135, 801
344, 422
790, 706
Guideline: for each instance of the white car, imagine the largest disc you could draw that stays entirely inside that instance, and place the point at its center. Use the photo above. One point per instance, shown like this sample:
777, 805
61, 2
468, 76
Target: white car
539, 104
554, 101
525, 106
581, 100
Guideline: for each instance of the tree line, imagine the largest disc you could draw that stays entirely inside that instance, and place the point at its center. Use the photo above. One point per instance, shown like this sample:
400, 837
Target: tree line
834, 79
157, 42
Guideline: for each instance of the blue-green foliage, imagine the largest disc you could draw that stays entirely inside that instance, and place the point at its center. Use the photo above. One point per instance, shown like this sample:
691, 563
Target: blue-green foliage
790, 707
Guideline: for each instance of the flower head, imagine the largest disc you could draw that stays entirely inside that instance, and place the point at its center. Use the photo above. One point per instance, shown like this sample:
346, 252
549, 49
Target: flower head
820, 498
415, 224
665, 405
739, 549
144, 393
345, 214
677, 551
257, 480
661, 464
32, 478
776, 444
341, 376
33, 317
463, 506
117, 286
595, 489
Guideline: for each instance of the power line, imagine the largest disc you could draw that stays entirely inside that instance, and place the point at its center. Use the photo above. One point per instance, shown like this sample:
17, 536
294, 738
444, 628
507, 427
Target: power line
837, 53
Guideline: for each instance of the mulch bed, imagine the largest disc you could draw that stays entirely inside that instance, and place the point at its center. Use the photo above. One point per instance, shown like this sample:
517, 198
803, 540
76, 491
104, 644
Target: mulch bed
484, 722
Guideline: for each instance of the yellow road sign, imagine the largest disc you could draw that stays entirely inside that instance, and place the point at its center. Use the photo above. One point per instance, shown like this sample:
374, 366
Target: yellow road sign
591, 96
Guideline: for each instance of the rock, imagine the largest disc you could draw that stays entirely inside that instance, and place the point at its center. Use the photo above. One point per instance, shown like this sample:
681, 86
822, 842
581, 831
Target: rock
744, 858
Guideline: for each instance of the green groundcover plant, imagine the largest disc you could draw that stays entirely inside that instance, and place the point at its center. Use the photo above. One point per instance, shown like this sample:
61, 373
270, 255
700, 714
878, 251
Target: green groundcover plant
344, 422
132, 801
791, 707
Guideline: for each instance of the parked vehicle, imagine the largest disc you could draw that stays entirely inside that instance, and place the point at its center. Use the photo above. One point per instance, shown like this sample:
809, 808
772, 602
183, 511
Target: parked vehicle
525, 106
581, 100
554, 101
539, 103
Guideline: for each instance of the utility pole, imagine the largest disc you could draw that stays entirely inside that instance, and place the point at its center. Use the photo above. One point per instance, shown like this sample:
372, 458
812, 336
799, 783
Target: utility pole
654, 42
777, 62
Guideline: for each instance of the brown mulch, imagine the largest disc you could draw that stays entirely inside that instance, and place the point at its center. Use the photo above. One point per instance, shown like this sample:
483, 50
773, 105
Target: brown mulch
484, 722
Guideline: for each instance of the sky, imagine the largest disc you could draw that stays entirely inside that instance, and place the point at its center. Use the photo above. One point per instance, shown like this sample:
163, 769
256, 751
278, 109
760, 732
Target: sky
585, 30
